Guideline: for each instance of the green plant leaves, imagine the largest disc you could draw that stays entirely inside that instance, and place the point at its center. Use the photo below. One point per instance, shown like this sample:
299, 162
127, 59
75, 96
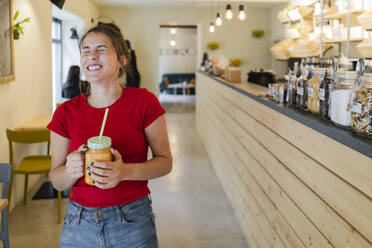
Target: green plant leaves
17, 25
15, 15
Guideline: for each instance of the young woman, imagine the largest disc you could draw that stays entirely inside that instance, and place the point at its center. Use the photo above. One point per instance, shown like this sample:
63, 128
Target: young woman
116, 211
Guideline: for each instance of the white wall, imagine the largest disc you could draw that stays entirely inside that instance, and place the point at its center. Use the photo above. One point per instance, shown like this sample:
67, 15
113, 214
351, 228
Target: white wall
30, 94
185, 39
140, 26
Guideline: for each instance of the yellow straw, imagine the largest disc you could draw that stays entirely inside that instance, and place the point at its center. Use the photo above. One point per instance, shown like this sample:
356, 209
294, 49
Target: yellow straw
103, 123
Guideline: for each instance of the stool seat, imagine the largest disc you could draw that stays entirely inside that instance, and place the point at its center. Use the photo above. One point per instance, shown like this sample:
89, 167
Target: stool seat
34, 165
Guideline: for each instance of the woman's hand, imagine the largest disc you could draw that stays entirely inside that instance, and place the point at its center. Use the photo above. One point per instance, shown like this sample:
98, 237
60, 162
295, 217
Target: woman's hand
107, 175
75, 162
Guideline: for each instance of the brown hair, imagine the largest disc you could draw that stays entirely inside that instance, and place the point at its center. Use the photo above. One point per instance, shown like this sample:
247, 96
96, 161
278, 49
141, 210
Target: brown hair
113, 32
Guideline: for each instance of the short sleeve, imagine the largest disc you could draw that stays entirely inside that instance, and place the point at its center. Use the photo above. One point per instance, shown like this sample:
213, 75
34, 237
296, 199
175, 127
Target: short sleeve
153, 109
58, 123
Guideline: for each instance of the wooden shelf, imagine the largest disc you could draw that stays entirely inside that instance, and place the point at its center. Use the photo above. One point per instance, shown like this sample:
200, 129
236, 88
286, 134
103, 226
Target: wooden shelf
337, 16
344, 40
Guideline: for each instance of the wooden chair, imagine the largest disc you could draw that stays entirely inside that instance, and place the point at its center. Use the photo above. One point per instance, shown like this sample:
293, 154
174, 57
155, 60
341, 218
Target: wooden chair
37, 164
5, 174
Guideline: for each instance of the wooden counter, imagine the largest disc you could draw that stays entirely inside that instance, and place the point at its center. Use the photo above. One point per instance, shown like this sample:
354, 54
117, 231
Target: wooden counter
290, 185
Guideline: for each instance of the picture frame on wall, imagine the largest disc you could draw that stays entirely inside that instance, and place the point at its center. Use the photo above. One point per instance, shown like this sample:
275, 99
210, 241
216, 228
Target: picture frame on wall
6, 42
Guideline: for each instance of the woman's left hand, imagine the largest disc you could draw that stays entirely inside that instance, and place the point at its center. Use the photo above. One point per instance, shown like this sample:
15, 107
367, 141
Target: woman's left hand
107, 175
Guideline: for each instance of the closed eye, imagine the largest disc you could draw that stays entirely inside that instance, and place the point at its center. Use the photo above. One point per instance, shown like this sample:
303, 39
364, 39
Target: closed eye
101, 48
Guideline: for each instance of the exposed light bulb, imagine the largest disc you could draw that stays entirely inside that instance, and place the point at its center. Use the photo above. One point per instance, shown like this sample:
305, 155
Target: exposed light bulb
211, 28
173, 31
229, 13
172, 43
241, 15
241, 12
218, 20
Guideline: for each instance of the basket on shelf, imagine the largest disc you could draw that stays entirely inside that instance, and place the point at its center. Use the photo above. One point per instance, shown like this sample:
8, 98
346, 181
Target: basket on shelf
280, 49
365, 48
306, 48
300, 12
294, 14
365, 20
293, 32
283, 16
305, 28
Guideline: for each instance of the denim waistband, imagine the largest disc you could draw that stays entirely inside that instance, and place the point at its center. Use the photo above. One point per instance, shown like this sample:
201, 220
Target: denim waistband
76, 211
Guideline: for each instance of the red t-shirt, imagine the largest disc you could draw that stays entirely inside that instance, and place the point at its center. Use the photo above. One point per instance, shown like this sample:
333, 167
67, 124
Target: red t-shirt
127, 118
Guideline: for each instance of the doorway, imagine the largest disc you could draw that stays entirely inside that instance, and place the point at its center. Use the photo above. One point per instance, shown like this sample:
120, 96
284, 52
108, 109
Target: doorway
178, 60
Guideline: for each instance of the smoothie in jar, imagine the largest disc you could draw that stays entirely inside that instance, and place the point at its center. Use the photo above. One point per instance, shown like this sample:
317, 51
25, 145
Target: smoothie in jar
99, 150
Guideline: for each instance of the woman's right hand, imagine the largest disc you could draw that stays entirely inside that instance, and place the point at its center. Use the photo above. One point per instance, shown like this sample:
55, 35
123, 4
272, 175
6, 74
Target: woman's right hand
75, 162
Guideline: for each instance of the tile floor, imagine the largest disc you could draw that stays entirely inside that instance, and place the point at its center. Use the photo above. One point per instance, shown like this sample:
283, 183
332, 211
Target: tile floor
191, 208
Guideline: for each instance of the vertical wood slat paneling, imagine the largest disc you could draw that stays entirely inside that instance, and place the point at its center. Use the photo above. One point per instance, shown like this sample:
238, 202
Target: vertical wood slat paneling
337, 231
326, 151
278, 223
299, 222
201, 117
338, 194
251, 235
244, 216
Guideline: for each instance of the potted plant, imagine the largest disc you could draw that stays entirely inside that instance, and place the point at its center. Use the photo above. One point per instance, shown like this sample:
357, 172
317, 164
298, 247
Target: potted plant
213, 45
17, 28
257, 33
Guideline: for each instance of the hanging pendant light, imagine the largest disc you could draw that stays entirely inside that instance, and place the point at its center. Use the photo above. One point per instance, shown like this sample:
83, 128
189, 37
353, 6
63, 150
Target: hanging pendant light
172, 43
211, 28
173, 31
241, 12
218, 20
229, 13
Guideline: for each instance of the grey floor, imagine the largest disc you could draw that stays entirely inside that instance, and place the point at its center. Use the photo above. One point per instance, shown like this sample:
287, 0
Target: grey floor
190, 205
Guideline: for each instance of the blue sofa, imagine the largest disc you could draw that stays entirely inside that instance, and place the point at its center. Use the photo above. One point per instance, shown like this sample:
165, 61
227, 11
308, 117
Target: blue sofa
176, 78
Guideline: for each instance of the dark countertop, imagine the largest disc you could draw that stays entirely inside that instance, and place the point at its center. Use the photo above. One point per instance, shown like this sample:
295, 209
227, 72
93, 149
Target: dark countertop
327, 128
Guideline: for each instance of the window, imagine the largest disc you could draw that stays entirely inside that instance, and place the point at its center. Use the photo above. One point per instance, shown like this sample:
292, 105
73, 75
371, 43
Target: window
56, 59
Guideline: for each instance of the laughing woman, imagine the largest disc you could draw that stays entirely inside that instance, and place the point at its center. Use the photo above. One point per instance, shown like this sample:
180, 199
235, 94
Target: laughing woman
116, 211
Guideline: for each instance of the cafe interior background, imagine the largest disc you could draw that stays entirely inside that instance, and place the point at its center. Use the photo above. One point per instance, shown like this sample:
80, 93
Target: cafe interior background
32, 92
42, 58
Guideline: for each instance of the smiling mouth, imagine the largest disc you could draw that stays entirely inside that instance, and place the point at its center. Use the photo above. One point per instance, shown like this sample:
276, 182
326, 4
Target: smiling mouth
94, 67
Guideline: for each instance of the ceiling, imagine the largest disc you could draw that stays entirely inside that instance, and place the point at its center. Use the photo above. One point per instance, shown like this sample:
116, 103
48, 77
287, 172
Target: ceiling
188, 3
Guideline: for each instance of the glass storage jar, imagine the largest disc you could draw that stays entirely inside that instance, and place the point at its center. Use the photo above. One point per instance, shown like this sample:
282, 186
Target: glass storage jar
301, 92
324, 85
291, 91
340, 98
301, 89
281, 93
313, 90
272, 92
361, 108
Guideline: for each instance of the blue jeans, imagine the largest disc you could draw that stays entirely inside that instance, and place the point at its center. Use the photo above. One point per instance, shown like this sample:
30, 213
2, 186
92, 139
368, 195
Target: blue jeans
128, 225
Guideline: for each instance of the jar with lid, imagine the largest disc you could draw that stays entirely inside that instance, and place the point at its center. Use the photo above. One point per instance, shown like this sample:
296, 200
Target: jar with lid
271, 89
323, 95
361, 107
281, 93
313, 90
301, 90
340, 98
99, 150
291, 90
